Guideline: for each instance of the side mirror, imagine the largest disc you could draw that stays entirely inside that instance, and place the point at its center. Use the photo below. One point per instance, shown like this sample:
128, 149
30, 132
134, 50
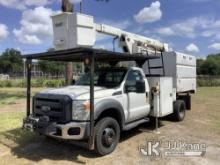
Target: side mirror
140, 86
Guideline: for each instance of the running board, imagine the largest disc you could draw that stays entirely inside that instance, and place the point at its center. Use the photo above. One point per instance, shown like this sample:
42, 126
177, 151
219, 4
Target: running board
135, 124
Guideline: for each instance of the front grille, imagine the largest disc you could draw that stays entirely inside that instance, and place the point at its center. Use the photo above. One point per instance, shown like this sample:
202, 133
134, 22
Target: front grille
56, 107
54, 104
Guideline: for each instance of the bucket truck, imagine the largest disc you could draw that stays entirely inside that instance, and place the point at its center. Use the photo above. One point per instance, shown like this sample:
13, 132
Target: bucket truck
124, 97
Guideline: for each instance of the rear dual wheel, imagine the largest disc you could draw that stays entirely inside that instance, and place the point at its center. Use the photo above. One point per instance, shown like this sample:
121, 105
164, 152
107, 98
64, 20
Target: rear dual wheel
179, 110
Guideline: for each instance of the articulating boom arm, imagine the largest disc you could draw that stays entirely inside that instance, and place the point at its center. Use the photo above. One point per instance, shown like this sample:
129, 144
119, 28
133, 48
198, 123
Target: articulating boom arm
132, 43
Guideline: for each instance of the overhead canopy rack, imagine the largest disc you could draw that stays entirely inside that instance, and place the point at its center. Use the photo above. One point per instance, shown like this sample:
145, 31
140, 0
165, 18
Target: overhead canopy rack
79, 55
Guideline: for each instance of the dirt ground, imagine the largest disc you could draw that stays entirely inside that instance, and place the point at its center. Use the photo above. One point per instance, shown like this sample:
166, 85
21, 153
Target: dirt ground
201, 125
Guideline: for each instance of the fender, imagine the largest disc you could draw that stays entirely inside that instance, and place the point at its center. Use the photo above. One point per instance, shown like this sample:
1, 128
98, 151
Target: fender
110, 104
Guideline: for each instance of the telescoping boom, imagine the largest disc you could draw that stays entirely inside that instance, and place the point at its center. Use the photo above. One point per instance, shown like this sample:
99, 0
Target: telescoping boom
75, 30
132, 43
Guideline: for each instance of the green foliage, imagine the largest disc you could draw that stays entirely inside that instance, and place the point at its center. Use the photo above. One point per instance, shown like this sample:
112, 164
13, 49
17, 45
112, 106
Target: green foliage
11, 61
208, 82
199, 64
52, 67
210, 66
34, 83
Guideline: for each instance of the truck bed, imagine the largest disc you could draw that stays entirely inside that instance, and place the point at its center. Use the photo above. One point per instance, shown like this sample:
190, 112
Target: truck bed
181, 67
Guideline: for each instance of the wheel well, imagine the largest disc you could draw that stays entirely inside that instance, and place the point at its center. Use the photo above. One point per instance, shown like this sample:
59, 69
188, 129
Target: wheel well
114, 113
187, 99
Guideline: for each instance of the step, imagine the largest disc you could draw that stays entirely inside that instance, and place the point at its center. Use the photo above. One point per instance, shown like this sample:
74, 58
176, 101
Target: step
154, 75
156, 67
135, 124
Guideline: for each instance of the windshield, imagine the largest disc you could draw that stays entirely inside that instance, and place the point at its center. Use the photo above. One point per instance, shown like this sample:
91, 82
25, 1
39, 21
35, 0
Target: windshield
104, 78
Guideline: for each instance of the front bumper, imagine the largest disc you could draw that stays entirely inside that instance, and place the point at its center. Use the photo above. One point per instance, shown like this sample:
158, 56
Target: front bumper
68, 131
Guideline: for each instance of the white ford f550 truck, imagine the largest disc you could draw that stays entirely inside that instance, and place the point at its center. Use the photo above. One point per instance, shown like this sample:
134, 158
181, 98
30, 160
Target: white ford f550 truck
124, 97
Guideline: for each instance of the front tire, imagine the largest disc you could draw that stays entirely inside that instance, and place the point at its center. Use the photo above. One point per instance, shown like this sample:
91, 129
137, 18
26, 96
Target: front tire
179, 110
107, 135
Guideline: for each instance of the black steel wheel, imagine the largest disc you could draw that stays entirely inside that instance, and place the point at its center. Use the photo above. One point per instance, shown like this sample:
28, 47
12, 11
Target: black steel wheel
179, 110
107, 135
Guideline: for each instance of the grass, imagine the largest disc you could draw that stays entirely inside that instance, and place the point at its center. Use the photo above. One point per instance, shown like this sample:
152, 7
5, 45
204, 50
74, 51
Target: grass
201, 82
10, 96
209, 96
218, 125
20, 83
11, 120
24, 147
208, 99
11, 133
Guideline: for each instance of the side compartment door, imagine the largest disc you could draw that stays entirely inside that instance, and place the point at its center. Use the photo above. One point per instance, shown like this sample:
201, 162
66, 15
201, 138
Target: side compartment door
136, 103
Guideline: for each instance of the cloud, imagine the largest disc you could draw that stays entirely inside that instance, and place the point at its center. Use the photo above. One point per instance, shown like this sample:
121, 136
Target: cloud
192, 48
149, 14
24, 4
3, 31
121, 24
37, 2
188, 27
167, 31
104, 45
28, 39
217, 37
208, 33
36, 25
192, 27
215, 46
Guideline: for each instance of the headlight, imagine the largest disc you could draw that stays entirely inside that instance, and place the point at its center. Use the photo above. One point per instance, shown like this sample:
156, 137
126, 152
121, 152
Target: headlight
81, 110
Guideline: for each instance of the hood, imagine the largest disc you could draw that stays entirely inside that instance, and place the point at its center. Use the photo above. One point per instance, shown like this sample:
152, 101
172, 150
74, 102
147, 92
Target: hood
80, 92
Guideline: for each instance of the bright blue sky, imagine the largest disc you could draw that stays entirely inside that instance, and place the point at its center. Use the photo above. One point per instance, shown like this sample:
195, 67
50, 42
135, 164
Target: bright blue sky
191, 26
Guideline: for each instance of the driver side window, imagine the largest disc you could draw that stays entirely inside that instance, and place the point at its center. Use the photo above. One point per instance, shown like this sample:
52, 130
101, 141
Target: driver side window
133, 77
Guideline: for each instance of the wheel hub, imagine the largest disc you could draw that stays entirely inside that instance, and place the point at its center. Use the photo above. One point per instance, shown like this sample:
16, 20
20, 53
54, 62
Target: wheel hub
182, 112
108, 136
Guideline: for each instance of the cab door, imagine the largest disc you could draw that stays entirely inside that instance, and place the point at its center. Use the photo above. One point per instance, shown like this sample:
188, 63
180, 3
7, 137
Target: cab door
135, 100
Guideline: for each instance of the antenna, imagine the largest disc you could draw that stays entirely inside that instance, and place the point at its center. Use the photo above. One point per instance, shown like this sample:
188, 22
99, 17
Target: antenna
81, 7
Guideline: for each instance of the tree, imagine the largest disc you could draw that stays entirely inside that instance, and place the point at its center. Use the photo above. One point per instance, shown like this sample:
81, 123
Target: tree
11, 62
52, 67
210, 67
199, 64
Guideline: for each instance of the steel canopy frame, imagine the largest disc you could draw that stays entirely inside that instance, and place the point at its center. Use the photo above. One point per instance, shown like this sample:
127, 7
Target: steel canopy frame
79, 55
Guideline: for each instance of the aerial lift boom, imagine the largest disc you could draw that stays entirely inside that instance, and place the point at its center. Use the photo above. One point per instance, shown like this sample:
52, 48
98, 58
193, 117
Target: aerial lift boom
132, 43
76, 29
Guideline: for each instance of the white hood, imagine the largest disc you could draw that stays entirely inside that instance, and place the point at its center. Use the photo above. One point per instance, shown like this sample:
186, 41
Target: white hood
80, 92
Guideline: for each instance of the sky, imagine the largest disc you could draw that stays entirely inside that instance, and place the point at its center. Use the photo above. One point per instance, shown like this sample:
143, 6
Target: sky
189, 26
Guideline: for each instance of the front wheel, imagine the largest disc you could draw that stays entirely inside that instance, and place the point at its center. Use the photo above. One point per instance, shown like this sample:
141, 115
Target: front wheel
107, 135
